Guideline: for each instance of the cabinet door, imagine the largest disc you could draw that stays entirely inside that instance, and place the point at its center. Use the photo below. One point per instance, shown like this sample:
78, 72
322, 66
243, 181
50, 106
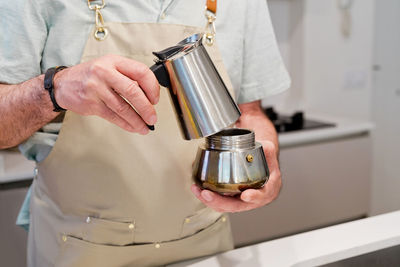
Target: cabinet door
13, 238
323, 184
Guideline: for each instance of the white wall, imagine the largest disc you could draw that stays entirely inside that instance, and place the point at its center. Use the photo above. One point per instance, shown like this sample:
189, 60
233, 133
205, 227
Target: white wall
331, 73
287, 19
386, 108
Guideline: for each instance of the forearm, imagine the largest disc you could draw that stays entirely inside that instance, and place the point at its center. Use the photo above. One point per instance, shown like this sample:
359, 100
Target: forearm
254, 118
24, 108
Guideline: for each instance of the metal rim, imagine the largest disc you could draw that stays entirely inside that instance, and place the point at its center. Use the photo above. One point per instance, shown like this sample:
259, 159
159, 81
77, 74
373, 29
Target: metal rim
234, 138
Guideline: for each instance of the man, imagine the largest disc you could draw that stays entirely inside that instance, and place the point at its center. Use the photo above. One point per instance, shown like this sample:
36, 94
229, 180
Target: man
108, 192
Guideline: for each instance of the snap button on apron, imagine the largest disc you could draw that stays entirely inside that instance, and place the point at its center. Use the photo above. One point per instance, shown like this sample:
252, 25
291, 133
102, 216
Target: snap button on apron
163, 15
88, 220
157, 245
223, 219
131, 226
64, 238
187, 220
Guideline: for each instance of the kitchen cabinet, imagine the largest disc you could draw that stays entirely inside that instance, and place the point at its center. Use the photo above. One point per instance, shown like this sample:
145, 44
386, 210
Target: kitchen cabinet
16, 174
13, 238
325, 182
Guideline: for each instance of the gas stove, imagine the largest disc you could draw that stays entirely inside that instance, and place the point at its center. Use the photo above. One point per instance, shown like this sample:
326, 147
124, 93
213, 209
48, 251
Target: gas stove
294, 122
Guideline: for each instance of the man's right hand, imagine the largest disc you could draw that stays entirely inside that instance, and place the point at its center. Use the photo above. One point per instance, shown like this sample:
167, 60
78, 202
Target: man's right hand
100, 87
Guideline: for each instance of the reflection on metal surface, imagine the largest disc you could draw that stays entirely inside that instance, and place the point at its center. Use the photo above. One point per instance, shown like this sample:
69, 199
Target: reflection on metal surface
222, 164
202, 102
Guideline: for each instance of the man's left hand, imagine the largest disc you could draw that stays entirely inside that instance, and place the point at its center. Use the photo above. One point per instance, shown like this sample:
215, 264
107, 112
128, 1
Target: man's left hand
252, 118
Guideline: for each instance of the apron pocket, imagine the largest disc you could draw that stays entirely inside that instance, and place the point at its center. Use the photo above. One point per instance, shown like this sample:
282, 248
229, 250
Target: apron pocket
199, 221
75, 252
107, 232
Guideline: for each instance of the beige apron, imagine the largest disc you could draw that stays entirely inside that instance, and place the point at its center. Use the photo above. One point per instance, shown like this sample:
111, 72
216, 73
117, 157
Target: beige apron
107, 197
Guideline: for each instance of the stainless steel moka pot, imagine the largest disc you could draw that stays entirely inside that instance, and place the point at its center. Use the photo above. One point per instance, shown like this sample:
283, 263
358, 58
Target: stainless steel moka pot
230, 162
202, 102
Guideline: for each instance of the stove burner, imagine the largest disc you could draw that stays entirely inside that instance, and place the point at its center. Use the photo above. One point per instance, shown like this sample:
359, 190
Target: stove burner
296, 122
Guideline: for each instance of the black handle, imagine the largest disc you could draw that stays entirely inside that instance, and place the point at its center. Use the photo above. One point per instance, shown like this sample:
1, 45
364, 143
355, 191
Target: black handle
168, 52
161, 74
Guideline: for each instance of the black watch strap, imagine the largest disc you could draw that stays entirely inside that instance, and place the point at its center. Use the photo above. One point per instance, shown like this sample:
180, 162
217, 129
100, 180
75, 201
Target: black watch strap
49, 86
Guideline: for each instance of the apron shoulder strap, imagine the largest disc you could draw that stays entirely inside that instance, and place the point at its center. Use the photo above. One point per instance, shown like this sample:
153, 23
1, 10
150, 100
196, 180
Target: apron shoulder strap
212, 6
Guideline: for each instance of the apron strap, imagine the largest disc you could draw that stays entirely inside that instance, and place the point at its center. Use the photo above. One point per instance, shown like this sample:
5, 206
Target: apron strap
211, 11
101, 31
212, 6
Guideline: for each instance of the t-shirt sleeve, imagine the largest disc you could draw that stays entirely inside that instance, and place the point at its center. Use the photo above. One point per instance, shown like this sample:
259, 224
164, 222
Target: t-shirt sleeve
264, 73
22, 38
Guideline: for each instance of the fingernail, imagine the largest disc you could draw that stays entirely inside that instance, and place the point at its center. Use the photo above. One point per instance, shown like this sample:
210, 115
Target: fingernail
207, 196
153, 120
246, 198
151, 127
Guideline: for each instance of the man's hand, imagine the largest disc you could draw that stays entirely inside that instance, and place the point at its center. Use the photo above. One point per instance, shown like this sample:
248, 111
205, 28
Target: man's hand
98, 87
103, 86
252, 118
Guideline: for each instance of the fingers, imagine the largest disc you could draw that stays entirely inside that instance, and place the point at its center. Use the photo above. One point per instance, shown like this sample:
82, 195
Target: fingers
270, 154
114, 118
265, 195
220, 203
271, 189
251, 195
143, 75
115, 88
274, 184
125, 111
134, 94
247, 200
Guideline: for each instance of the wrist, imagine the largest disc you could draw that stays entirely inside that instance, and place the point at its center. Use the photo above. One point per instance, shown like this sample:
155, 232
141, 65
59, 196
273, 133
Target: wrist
42, 98
49, 86
59, 81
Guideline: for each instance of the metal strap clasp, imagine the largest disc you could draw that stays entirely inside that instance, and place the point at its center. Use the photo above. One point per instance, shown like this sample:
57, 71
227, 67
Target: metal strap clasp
101, 31
209, 33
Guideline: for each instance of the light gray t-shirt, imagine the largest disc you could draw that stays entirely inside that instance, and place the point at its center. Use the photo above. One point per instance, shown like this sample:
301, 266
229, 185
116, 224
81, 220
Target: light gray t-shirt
39, 34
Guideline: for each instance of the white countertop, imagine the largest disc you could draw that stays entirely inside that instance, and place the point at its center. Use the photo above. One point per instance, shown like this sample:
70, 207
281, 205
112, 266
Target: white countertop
313, 248
15, 167
344, 128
